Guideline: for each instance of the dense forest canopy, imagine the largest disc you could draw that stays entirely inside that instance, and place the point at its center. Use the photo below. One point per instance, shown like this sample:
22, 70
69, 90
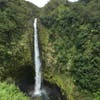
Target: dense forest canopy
16, 34
69, 42
73, 33
16, 18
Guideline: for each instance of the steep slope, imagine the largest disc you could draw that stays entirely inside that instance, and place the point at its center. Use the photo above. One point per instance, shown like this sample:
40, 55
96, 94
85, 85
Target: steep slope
69, 43
69, 36
16, 47
16, 34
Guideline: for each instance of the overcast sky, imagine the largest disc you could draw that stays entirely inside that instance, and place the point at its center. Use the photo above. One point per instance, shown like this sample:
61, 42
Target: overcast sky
41, 3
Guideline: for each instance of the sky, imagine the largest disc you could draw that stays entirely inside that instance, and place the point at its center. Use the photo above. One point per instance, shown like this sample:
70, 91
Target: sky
72, 0
41, 3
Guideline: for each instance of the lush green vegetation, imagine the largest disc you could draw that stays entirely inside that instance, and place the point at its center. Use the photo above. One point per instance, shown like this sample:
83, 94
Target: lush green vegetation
11, 92
69, 39
16, 20
70, 47
97, 95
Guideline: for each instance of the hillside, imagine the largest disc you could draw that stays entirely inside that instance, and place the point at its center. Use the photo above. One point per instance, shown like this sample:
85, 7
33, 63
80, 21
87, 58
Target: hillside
69, 47
16, 46
69, 36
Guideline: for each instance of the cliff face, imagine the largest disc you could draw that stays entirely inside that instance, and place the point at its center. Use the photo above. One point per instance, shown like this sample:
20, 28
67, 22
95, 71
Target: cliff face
70, 47
16, 42
69, 44
16, 37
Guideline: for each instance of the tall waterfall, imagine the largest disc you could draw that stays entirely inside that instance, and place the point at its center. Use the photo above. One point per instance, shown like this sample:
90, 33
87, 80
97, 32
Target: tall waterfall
37, 61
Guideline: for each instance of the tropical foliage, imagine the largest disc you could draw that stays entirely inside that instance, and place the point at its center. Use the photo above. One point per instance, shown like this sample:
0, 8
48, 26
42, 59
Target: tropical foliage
73, 45
11, 92
69, 42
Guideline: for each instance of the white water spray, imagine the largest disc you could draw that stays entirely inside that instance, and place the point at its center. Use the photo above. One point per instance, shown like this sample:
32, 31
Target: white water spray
37, 62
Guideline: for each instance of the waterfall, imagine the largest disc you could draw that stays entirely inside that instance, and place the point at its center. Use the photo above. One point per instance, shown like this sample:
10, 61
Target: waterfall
37, 62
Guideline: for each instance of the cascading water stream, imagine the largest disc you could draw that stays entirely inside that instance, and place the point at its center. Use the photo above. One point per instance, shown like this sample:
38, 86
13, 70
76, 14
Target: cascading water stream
38, 92
37, 62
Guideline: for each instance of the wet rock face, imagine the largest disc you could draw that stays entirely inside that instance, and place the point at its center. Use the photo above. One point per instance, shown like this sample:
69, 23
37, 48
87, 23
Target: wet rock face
44, 96
49, 94
26, 84
54, 92
37, 98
